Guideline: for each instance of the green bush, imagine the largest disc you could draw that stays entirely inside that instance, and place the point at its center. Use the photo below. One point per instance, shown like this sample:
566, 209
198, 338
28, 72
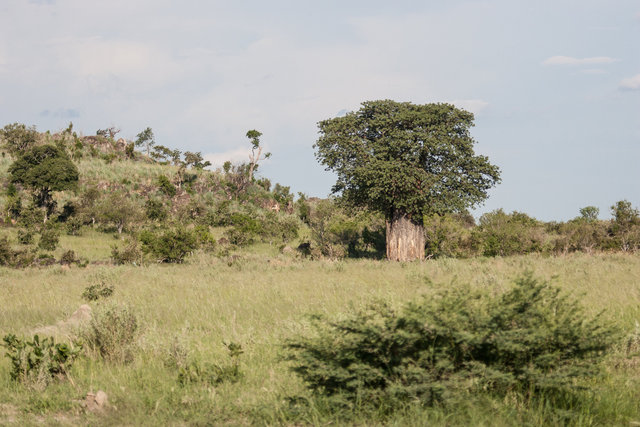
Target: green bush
502, 234
49, 238
129, 254
37, 362
337, 234
68, 257
530, 340
246, 229
73, 226
166, 186
25, 236
155, 210
97, 290
6, 252
112, 334
449, 236
170, 246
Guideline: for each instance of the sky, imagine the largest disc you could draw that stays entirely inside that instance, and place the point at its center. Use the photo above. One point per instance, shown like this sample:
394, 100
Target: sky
554, 85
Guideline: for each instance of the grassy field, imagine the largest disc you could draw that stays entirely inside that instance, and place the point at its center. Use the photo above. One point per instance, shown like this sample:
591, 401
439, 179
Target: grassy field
260, 299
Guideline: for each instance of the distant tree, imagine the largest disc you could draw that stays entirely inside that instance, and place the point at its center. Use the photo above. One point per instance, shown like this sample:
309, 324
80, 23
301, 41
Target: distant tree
256, 152
109, 132
589, 213
282, 195
118, 210
18, 138
44, 169
195, 160
405, 161
161, 153
147, 139
625, 226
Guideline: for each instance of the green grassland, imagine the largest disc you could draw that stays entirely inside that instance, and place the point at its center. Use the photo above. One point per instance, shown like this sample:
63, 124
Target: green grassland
260, 298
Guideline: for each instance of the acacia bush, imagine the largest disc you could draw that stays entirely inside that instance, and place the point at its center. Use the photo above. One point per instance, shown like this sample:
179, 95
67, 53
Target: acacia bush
130, 253
449, 236
338, 234
502, 234
531, 340
49, 239
269, 227
171, 246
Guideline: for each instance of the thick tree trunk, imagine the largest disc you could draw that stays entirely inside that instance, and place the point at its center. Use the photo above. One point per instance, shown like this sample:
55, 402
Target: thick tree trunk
405, 238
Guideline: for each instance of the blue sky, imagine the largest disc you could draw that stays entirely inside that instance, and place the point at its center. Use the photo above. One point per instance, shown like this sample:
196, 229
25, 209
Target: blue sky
555, 85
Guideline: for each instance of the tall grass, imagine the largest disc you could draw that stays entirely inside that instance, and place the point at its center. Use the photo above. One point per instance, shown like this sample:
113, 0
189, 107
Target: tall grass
258, 301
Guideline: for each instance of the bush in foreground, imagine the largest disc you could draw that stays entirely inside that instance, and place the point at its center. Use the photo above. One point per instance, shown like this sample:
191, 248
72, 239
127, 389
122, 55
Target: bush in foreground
36, 363
531, 340
112, 334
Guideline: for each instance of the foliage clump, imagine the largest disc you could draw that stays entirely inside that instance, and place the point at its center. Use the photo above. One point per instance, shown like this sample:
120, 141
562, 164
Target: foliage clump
530, 340
38, 362
112, 334
171, 246
44, 169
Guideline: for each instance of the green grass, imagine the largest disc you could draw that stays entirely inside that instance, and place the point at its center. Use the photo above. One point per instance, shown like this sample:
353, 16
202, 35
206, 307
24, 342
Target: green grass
258, 301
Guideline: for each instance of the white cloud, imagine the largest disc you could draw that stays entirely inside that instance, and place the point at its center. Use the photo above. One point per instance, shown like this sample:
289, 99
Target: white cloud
570, 60
632, 83
472, 105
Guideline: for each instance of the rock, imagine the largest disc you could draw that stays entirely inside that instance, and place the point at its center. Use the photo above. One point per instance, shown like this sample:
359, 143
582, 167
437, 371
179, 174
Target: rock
96, 402
79, 317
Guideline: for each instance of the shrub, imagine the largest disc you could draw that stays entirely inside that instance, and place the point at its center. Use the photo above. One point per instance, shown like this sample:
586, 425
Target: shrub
155, 210
97, 291
529, 340
6, 252
245, 231
166, 186
25, 236
501, 234
448, 236
73, 226
337, 234
129, 254
580, 234
38, 362
68, 258
171, 245
49, 238
112, 333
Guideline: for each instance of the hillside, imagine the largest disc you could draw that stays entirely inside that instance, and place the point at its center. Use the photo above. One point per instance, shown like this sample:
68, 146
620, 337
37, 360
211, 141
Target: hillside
188, 295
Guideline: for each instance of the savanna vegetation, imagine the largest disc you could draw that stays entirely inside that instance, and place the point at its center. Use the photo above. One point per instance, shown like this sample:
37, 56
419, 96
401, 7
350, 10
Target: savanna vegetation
198, 296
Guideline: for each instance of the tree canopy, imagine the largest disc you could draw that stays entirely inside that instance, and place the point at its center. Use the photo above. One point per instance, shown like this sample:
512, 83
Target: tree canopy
44, 169
401, 157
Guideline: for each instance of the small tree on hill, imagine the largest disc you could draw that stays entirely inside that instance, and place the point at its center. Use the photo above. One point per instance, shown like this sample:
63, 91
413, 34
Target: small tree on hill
256, 152
45, 169
147, 139
18, 138
405, 161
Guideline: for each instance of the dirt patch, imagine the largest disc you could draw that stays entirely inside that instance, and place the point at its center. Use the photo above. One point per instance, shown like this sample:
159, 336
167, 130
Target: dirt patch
8, 413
